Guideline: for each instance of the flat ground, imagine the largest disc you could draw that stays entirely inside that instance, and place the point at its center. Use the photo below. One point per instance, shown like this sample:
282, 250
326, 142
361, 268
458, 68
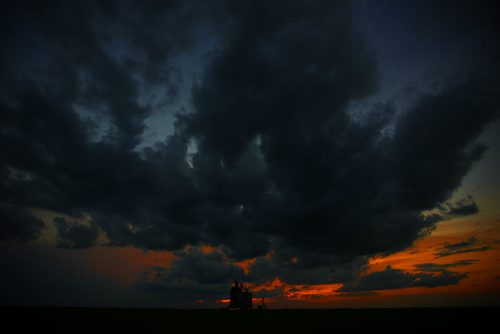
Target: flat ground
90, 320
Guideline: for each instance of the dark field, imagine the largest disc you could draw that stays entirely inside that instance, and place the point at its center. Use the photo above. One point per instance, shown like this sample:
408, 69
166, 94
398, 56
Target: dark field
419, 320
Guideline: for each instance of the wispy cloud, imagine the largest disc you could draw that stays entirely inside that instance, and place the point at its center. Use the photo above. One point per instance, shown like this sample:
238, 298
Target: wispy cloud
434, 267
468, 246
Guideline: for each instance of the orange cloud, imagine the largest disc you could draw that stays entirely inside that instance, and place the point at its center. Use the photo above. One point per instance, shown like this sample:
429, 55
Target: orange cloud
245, 264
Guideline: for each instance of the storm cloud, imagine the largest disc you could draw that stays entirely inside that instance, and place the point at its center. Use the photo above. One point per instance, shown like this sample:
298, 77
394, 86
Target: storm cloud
265, 157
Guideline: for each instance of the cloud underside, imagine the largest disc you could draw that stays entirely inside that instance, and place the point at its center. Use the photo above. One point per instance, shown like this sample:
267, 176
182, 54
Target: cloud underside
281, 165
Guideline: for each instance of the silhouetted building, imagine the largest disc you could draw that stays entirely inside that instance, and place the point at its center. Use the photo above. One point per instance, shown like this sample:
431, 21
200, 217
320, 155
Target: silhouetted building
262, 305
239, 297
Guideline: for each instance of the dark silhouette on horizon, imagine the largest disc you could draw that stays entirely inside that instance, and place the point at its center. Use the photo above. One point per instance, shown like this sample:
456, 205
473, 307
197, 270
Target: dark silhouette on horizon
240, 297
262, 305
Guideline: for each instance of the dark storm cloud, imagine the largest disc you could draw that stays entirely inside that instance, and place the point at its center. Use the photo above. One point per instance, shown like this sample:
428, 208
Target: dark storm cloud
330, 184
84, 36
470, 245
49, 122
18, 224
281, 164
434, 141
391, 278
75, 235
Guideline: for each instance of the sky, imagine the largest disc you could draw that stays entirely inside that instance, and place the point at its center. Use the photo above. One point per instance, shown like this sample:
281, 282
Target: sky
325, 153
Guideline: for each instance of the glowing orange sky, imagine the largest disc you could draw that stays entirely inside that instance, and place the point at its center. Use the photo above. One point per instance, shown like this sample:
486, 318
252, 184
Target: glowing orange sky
125, 265
482, 275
